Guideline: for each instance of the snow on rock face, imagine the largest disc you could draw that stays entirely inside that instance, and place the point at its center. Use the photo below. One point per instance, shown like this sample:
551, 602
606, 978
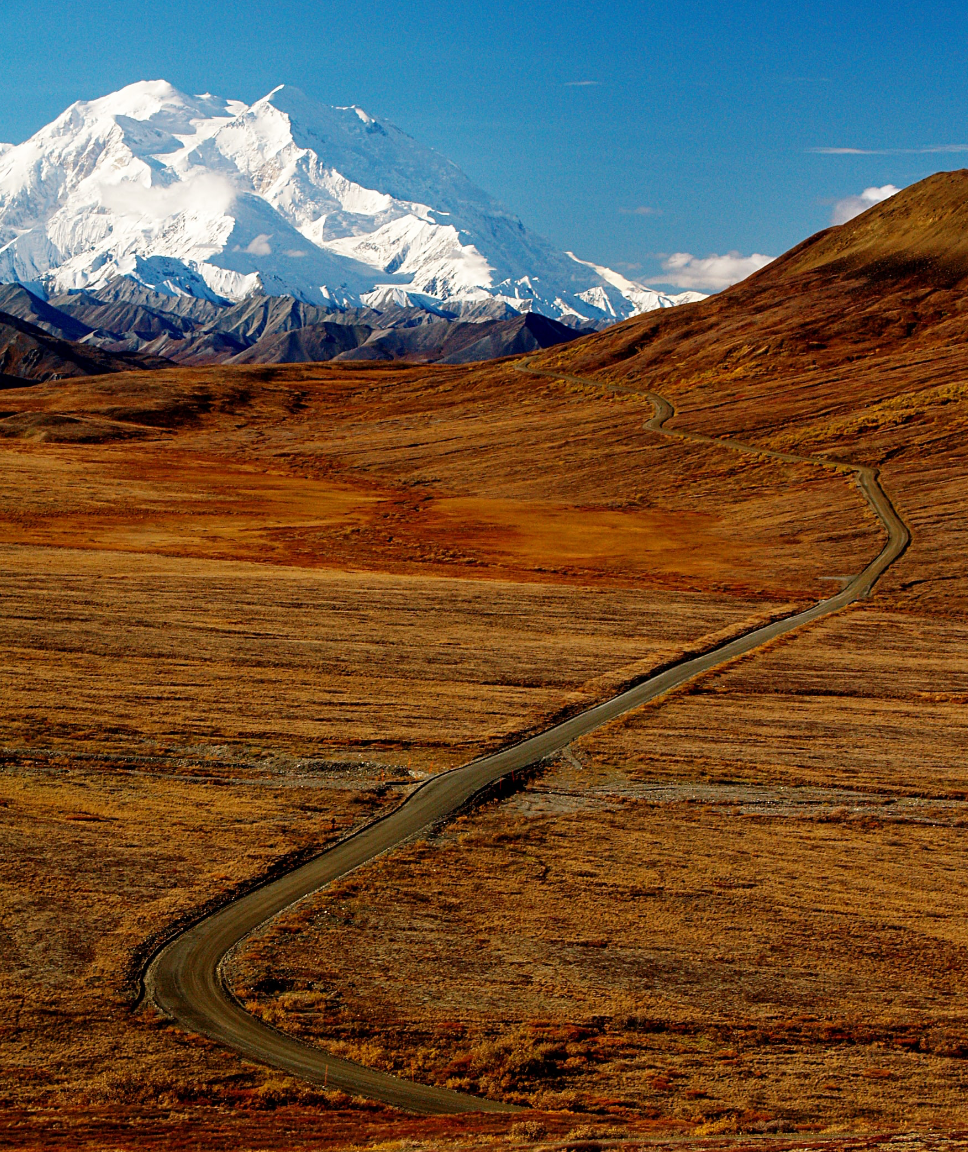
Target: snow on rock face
209, 197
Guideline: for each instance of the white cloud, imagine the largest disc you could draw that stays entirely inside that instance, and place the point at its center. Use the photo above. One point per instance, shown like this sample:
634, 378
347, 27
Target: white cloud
852, 206
159, 201
582, 84
711, 272
641, 210
296, 253
889, 151
260, 246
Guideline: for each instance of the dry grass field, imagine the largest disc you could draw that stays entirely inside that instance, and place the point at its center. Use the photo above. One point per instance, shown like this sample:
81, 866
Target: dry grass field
745, 913
870, 700
97, 860
226, 640
247, 608
482, 471
720, 963
139, 654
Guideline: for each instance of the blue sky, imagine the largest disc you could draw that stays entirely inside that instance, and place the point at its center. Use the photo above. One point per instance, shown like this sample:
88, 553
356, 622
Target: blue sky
626, 131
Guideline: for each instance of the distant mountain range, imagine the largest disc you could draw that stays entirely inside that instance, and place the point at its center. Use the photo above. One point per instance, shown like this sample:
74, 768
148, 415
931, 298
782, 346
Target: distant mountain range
125, 326
209, 198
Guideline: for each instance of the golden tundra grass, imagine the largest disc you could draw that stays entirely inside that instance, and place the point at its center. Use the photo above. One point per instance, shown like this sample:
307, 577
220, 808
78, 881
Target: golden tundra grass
689, 963
385, 569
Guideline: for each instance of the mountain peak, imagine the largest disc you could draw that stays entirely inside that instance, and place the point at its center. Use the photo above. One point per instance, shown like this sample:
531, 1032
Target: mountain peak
140, 101
308, 112
212, 197
287, 97
160, 90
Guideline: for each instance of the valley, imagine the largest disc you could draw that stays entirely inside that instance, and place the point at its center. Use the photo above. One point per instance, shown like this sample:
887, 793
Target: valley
252, 607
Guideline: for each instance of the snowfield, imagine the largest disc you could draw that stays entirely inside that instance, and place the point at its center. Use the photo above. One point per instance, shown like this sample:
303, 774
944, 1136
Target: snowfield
212, 198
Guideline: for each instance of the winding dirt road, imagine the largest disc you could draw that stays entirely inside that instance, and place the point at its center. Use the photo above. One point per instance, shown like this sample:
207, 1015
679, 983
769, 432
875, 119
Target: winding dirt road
185, 977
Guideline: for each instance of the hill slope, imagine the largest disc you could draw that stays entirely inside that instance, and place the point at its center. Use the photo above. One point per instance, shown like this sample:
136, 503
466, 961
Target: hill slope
28, 353
891, 279
304, 575
854, 344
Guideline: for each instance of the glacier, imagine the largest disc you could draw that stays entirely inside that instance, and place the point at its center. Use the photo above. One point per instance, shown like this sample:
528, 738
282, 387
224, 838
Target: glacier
213, 198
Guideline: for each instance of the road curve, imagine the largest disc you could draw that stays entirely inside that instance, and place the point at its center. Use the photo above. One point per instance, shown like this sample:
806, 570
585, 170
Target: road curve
185, 977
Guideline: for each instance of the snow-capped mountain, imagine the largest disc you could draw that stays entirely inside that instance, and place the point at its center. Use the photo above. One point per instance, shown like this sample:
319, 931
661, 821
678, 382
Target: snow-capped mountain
212, 198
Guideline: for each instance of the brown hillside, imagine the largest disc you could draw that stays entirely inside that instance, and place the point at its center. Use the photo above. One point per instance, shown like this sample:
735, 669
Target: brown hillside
247, 606
736, 909
890, 280
852, 345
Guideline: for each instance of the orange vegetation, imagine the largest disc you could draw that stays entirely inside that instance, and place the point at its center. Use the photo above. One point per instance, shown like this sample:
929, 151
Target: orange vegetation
245, 607
618, 948
784, 949
463, 472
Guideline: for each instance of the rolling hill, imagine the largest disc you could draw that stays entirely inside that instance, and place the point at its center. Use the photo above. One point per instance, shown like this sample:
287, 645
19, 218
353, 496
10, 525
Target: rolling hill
248, 606
892, 279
